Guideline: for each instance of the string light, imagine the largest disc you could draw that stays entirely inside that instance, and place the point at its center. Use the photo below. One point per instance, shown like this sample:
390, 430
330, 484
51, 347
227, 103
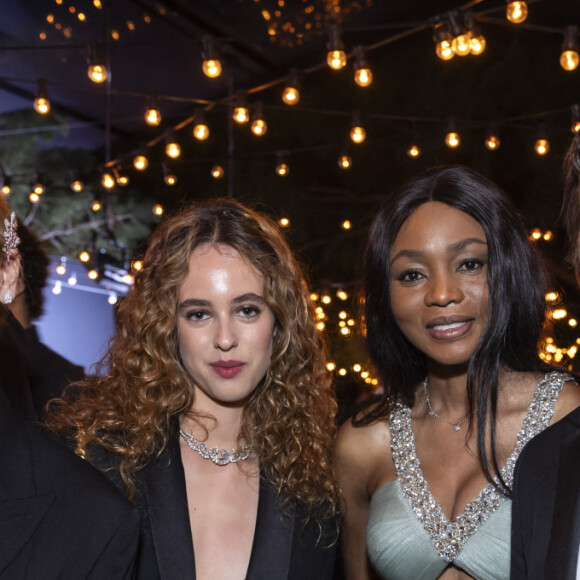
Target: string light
96, 71
211, 64
84, 256
38, 185
516, 12
172, 147
120, 178
137, 265
452, 138
107, 181
6, 184
112, 299
442, 38
140, 162
41, 101
57, 288
92, 274
414, 151
335, 57
259, 126
291, 92
284, 222
200, 128
477, 41
168, 176
461, 43
241, 111
282, 167
570, 58
346, 225
152, 112
363, 76
217, 171
492, 141
96, 204
344, 161
33, 197
76, 184
61, 267
542, 145
575, 125
357, 131
158, 209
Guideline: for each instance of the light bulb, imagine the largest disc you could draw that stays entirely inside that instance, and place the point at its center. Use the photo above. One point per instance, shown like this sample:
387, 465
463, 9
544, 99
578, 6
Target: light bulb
201, 131
282, 169
41, 105
158, 209
444, 50
516, 12
61, 268
284, 222
140, 162
112, 299
92, 274
363, 75
569, 59
357, 134
259, 127
6, 187
478, 44
542, 146
217, 171
172, 149
34, 197
97, 73
212, 68
461, 45
57, 288
291, 95
241, 114
84, 256
336, 59
492, 142
452, 139
108, 181
414, 151
170, 179
346, 225
96, 205
344, 161
153, 116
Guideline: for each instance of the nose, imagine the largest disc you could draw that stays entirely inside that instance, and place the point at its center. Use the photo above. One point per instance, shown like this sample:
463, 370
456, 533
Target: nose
443, 289
225, 338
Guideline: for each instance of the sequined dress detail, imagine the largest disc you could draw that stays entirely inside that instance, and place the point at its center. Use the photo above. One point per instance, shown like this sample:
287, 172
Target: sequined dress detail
408, 535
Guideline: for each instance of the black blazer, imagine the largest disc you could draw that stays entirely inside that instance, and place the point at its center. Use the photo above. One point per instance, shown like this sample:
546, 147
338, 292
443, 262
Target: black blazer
284, 547
546, 504
59, 517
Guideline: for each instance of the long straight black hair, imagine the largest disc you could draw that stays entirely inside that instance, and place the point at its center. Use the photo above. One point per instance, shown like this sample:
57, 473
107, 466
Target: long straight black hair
516, 283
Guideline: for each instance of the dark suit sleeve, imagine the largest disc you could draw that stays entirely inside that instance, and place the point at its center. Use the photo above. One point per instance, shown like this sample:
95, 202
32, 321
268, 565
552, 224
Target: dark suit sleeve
518, 561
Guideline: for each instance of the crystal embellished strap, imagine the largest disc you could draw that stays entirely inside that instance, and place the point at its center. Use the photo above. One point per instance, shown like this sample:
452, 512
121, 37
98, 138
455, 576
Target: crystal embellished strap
449, 536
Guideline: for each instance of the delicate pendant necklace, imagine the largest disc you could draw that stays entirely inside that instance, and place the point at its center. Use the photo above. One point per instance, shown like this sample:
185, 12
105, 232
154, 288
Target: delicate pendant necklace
456, 426
218, 456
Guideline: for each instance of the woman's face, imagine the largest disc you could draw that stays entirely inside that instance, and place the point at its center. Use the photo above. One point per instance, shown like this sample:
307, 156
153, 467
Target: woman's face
439, 294
224, 325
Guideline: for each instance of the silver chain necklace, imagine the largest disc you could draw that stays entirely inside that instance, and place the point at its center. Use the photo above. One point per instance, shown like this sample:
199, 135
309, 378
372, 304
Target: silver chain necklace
456, 426
218, 456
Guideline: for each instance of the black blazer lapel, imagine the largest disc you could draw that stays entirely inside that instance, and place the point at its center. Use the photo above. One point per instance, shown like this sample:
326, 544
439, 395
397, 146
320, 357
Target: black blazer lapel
169, 517
565, 531
272, 549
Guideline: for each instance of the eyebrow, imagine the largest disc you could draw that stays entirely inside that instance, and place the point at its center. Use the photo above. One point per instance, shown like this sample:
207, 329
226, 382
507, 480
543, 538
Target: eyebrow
454, 247
248, 297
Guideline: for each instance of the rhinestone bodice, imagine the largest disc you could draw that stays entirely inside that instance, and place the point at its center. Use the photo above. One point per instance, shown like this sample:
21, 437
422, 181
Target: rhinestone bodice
405, 517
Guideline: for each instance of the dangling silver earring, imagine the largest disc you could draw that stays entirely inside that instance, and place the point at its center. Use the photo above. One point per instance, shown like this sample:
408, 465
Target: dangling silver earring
8, 298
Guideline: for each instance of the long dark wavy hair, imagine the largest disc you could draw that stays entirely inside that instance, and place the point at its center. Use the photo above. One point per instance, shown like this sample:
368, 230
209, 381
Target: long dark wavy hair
289, 417
571, 201
516, 282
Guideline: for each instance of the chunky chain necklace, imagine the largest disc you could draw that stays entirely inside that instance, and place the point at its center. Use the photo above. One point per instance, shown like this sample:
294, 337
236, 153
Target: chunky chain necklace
456, 426
218, 456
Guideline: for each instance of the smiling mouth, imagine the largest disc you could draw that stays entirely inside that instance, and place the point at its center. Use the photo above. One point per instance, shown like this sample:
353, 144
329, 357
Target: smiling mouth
450, 330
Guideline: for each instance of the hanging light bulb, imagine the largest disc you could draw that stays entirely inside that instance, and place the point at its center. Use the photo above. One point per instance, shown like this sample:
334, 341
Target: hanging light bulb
84, 256
291, 92
33, 197
57, 288
120, 178
335, 57
363, 76
107, 180
153, 113
516, 12
461, 43
38, 184
61, 267
575, 125
200, 128
476, 39
357, 131
41, 101
442, 38
140, 162
112, 299
76, 183
158, 209
211, 64
92, 274
284, 222
542, 145
241, 111
6, 184
96, 70
345, 160
172, 147
217, 171
452, 139
96, 204
282, 167
259, 126
168, 176
414, 151
570, 58
492, 141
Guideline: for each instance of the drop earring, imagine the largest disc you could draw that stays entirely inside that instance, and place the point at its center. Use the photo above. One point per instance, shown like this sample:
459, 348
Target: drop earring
8, 298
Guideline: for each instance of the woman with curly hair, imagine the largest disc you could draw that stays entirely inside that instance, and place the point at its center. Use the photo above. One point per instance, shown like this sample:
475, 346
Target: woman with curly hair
216, 412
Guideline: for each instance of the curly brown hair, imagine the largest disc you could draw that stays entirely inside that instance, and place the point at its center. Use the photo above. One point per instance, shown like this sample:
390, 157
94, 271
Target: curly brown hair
289, 417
